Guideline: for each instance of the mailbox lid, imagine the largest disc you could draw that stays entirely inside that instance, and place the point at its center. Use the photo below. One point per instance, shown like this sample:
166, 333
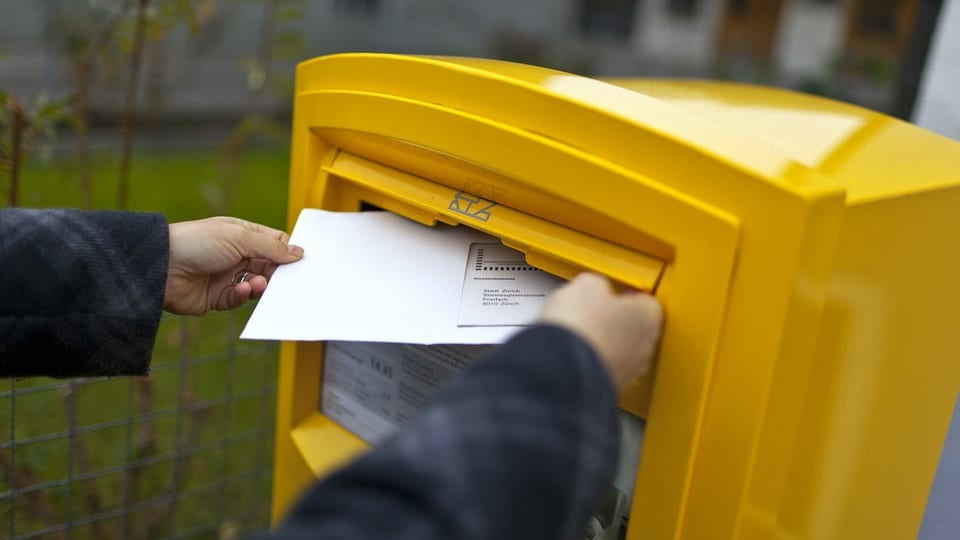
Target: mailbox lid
765, 132
869, 154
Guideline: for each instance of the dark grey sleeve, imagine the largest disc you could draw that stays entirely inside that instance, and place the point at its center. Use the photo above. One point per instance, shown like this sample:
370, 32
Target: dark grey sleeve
521, 445
81, 293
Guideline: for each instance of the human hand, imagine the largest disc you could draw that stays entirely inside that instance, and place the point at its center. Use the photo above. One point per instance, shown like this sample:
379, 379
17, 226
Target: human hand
622, 328
219, 263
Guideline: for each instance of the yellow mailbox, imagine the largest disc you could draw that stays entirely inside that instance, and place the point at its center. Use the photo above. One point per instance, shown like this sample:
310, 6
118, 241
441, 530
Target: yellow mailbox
806, 252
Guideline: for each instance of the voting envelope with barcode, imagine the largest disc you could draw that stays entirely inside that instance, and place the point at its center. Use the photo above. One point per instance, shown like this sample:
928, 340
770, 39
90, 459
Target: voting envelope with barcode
377, 277
500, 288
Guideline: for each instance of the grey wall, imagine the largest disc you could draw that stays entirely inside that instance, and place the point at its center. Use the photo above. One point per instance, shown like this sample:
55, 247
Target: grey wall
938, 105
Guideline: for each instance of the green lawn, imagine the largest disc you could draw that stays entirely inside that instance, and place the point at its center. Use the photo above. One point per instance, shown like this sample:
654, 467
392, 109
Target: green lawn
206, 432
182, 185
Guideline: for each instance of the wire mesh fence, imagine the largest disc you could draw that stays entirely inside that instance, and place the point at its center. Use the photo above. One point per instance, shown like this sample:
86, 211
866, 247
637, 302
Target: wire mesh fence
184, 453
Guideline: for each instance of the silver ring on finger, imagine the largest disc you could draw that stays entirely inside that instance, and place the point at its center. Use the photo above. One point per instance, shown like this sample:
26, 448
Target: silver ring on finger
241, 277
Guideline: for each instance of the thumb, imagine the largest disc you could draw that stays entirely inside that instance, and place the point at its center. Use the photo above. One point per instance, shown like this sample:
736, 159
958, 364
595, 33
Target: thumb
254, 244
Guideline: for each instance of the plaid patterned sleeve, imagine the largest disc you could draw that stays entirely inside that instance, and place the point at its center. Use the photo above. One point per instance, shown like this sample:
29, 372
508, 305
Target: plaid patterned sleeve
80, 292
520, 446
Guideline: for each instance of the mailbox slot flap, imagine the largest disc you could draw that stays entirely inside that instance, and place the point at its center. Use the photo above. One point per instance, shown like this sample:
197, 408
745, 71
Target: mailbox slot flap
547, 245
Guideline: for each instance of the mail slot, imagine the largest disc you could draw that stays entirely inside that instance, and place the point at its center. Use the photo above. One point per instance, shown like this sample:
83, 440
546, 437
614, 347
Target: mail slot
804, 251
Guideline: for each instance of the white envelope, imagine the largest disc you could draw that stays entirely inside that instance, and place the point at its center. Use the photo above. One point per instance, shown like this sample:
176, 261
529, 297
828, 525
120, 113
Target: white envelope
375, 276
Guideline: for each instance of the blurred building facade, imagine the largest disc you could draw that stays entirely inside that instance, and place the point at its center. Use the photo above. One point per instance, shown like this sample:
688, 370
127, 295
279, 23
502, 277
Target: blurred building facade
845, 48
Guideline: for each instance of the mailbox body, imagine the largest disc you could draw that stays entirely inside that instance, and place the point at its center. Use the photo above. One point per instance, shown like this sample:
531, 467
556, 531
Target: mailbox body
803, 249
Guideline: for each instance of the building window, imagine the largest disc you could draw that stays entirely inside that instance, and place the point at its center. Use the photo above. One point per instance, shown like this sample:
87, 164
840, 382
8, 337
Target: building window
740, 8
877, 18
880, 27
682, 8
607, 19
749, 28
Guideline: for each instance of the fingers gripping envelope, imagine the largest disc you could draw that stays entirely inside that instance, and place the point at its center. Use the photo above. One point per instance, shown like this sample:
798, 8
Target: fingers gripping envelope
377, 277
